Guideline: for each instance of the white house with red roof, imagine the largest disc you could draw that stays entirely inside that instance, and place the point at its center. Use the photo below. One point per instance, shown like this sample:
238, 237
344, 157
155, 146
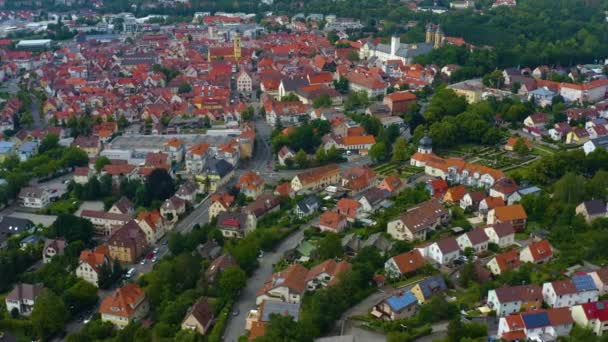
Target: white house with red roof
592, 316
537, 252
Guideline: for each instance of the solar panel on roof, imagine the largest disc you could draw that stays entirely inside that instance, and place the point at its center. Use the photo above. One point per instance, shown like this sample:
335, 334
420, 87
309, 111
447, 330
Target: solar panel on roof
399, 302
583, 283
536, 320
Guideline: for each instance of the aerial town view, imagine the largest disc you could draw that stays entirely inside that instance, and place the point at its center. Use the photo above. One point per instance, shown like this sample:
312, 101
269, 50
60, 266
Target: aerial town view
303, 170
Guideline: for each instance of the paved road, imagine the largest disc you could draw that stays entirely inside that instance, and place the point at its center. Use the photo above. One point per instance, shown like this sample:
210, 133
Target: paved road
235, 326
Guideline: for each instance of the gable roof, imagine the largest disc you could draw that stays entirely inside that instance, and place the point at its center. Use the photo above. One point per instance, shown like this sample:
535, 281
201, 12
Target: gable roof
409, 261
540, 250
201, 311
294, 278
523, 293
400, 302
510, 213
123, 301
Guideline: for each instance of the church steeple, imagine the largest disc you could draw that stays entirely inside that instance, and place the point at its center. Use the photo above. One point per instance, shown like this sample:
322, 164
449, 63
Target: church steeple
236, 41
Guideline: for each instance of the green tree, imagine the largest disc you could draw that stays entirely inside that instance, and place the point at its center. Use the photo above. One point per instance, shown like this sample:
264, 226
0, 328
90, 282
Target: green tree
353, 56
72, 228
159, 185
184, 87
80, 296
291, 97
232, 280
378, 152
49, 315
322, 101
400, 150
494, 79
301, 159
329, 247
521, 147
570, 189
51, 141
101, 162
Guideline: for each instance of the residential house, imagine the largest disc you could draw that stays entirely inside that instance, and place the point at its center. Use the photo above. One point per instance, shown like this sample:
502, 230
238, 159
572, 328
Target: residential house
418, 221
511, 299
592, 209
536, 252
199, 317
477, 239
152, 224
91, 262
539, 325
443, 252
219, 265
23, 298
267, 309
209, 250
404, 264
187, 192
566, 293
600, 278
360, 144
172, 208
220, 202
400, 102
123, 206
454, 194
90, 145
105, 222
236, 225
536, 120
503, 262
316, 178
196, 158
127, 304
284, 190
349, 208
592, 316
437, 188
514, 214
216, 173
34, 197
307, 206
488, 204
287, 286
471, 200
392, 184
264, 204
502, 234
429, 287
372, 199
53, 247
284, 154
399, 306
128, 243
332, 222
358, 179
506, 188
82, 175
251, 184
325, 274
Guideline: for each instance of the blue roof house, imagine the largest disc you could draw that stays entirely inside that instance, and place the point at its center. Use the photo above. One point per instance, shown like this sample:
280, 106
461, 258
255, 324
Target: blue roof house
400, 306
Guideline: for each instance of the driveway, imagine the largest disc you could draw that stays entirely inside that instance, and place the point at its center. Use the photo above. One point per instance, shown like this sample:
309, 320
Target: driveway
235, 327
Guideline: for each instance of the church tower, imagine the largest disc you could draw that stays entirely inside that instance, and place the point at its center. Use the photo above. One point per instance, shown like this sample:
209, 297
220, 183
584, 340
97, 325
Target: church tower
236, 41
429, 33
425, 145
438, 37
